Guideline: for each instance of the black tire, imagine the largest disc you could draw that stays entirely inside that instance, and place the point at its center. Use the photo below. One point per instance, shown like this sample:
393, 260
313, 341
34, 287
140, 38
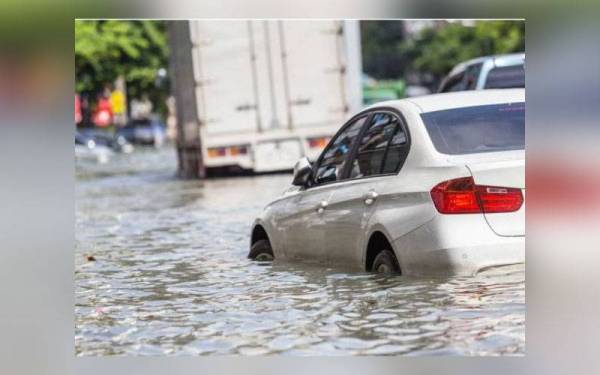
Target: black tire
386, 263
261, 251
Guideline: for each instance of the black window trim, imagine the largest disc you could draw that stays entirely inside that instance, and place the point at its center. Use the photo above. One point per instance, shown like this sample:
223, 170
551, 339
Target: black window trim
363, 114
406, 145
450, 80
368, 114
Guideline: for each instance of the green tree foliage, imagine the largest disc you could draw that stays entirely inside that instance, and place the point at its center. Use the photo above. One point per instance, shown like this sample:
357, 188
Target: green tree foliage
136, 50
437, 50
379, 41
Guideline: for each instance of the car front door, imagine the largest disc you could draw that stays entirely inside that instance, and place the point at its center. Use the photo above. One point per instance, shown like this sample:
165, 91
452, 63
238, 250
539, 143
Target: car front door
378, 157
302, 221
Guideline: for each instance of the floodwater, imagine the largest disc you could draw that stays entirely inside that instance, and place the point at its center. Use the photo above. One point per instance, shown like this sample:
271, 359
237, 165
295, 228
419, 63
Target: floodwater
170, 277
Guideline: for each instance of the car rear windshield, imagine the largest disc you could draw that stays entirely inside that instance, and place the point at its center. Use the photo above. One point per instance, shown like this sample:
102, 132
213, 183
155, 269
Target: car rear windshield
470, 130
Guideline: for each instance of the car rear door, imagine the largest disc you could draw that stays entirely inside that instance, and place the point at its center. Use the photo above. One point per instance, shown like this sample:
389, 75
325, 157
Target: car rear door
377, 158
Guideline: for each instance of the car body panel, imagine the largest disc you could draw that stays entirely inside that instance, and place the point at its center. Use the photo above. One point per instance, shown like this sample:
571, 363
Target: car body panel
143, 131
443, 101
456, 244
508, 224
300, 220
506, 172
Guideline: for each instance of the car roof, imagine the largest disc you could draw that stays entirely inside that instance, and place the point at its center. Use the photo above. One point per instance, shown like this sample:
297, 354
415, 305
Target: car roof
510, 59
458, 99
499, 60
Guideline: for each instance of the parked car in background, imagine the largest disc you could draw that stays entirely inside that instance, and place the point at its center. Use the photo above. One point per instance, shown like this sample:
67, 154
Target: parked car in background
433, 184
114, 141
489, 72
143, 132
88, 149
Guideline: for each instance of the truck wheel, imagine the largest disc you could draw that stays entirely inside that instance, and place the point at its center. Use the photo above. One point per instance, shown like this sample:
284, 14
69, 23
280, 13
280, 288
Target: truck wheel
385, 263
261, 251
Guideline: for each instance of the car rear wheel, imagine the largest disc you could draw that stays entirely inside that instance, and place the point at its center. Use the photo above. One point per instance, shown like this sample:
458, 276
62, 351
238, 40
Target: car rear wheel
261, 251
385, 263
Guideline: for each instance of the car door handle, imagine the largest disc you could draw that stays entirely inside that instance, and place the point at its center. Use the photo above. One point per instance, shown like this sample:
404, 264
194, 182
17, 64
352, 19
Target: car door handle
321, 207
370, 197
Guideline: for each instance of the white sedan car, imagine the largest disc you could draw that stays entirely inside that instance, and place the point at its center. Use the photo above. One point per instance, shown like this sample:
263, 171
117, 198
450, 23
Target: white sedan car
434, 184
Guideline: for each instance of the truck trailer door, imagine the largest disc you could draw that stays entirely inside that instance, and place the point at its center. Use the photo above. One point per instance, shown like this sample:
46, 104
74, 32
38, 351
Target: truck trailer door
225, 88
314, 71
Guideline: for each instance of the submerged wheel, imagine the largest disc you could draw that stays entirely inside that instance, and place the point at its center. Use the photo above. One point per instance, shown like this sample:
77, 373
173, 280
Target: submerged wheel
261, 251
385, 263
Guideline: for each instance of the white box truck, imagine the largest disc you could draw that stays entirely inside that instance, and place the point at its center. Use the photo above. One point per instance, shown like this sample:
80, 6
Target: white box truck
271, 91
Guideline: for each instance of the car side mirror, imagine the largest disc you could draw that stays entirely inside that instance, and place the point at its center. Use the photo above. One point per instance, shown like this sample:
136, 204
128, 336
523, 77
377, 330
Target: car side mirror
302, 171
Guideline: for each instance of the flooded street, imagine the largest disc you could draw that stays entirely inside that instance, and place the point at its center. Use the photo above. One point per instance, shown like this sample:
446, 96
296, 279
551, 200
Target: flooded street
171, 277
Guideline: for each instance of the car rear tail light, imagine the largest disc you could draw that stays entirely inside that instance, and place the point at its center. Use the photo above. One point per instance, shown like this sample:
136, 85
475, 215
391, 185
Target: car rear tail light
463, 196
319, 142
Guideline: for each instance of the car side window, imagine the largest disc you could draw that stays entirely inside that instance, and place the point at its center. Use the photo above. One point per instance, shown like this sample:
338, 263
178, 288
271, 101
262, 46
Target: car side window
454, 83
466, 80
397, 151
373, 143
331, 165
506, 77
472, 76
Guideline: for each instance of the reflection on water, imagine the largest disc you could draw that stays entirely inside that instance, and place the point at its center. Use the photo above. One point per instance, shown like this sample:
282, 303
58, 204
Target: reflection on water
171, 277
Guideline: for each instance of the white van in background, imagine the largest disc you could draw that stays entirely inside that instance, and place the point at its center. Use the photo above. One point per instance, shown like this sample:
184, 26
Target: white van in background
271, 91
488, 72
